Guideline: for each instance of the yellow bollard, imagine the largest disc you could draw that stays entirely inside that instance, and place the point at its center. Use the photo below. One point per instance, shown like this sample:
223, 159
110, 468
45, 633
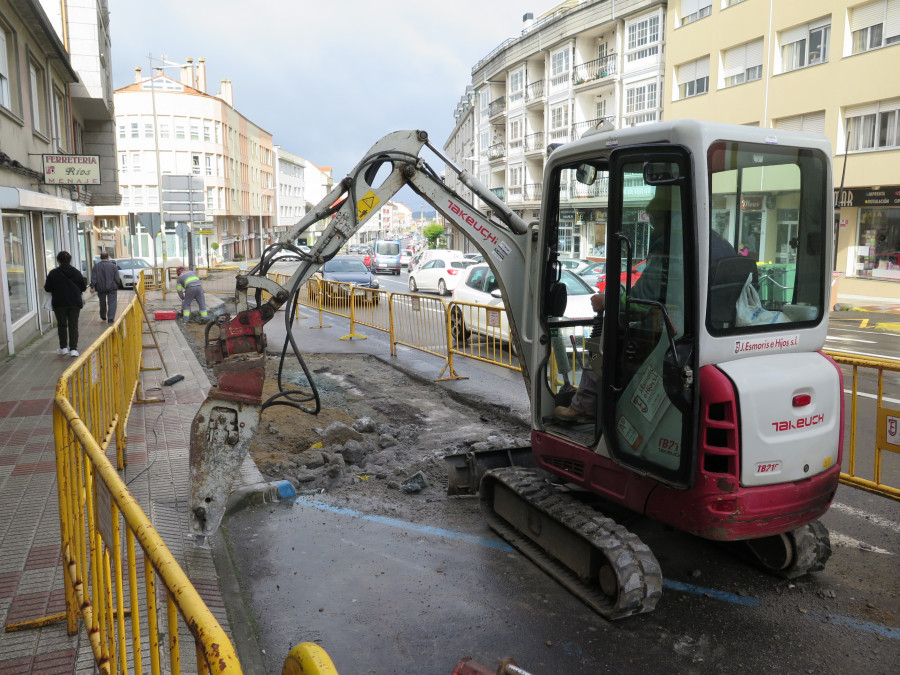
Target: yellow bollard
308, 658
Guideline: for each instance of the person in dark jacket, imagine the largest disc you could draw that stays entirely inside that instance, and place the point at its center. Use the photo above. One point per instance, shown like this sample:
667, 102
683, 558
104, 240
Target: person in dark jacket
105, 280
66, 284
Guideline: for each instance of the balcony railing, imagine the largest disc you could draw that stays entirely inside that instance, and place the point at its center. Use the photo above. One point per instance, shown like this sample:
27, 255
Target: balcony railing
498, 105
499, 193
576, 190
496, 151
579, 128
515, 194
534, 142
534, 91
594, 70
533, 192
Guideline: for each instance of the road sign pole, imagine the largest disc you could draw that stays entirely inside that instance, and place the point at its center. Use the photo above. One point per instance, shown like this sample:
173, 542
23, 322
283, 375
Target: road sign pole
190, 227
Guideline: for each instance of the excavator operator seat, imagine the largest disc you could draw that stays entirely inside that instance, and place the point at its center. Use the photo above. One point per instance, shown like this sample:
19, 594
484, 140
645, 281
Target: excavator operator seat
727, 277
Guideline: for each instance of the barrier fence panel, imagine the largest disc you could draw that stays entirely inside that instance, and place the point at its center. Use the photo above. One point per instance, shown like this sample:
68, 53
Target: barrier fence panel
879, 471
481, 332
110, 583
218, 280
422, 323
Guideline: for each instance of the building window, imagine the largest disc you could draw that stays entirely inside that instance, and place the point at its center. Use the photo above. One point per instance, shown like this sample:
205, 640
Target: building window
136, 162
195, 165
8, 85
694, 10
742, 64
730, 3
559, 66
559, 116
693, 78
875, 25
805, 45
122, 131
148, 130
643, 38
641, 104
207, 131
60, 119
164, 130
195, 131
38, 97
179, 130
134, 130
209, 165
517, 85
123, 162
810, 122
874, 126
19, 266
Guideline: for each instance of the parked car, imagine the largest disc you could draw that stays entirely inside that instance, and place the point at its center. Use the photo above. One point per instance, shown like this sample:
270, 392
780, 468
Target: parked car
474, 257
130, 268
636, 272
346, 269
480, 288
427, 254
591, 275
405, 256
438, 274
575, 264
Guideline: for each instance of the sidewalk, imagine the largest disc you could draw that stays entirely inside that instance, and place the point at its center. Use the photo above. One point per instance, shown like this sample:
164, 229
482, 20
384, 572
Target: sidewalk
31, 572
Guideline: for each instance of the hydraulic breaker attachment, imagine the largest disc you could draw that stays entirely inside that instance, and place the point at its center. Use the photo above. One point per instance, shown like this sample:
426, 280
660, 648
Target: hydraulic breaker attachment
221, 435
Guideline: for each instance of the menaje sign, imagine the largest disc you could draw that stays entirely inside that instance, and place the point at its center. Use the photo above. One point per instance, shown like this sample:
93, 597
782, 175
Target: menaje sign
72, 169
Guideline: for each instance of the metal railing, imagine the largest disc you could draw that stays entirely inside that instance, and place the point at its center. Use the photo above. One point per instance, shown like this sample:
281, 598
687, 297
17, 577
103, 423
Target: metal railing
497, 106
887, 434
534, 142
533, 192
496, 151
421, 323
481, 332
579, 128
594, 70
534, 91
109, 584
499, 193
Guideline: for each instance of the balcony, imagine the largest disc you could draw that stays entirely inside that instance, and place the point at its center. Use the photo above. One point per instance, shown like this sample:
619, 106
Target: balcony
496, 151
499, 193
579, 128
560, 135
534, 92
534, 142
576, 190
592, 71
533, 192
497, 106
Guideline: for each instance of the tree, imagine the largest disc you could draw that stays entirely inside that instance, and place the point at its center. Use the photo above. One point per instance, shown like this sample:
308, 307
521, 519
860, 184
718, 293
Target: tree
432, 232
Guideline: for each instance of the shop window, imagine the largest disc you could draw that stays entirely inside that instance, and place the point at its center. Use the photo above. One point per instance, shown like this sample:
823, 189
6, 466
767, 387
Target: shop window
19, 267
878, 249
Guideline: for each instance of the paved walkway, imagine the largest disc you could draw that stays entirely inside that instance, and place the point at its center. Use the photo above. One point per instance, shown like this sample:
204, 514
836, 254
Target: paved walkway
31, 572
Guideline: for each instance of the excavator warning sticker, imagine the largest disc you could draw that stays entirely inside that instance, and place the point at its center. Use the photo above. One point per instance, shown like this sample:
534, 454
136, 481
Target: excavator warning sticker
628, 433
365, 205
649, 394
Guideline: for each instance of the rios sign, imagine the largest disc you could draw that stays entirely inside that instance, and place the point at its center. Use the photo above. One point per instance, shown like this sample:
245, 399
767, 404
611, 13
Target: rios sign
71, 169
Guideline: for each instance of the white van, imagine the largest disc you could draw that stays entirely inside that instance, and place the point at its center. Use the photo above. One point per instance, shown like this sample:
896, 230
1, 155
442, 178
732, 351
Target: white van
427, 254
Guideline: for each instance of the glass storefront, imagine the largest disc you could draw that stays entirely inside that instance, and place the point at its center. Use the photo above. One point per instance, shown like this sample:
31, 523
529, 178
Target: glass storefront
878, 244
19, 266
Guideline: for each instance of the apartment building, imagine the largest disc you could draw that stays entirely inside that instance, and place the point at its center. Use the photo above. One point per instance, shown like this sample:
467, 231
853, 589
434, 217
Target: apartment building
57, 149
577, 65
826, 66
167, 127
301, 185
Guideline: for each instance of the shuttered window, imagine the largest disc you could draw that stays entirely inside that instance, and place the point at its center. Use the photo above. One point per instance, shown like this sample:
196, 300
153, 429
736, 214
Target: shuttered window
874, 126
693, 10
810, 122
875, 25
805, 45
742, 64
693, 78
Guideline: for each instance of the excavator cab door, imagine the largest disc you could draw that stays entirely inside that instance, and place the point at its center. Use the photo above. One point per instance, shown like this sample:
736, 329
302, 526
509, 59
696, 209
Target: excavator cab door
649, 382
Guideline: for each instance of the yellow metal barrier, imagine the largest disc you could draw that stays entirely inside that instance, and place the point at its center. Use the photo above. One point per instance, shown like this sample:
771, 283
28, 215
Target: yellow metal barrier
108, 584
887, 432
421, 323
481, 332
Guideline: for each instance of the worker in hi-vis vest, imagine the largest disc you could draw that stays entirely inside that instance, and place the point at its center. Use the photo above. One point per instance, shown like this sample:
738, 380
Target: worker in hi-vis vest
189, 289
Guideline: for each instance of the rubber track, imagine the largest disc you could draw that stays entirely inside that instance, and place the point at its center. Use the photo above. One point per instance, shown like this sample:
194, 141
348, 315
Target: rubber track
638, 575
812, 549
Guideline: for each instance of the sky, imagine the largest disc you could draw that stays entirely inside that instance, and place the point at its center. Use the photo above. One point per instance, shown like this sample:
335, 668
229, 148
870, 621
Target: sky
326, 78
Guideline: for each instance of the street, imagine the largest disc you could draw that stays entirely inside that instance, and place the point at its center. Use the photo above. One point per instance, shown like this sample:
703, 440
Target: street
386, 591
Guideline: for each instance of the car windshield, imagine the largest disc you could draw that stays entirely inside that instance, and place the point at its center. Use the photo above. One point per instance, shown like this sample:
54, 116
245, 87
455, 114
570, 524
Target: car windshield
596, 268
574, 285
128, 263
356, 266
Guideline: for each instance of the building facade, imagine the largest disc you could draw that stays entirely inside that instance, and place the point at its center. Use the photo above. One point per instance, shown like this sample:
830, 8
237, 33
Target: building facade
810, 65
577, 66
168, 127
55, 105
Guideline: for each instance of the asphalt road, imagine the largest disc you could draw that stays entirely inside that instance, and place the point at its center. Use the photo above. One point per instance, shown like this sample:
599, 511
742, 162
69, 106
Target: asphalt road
419, 593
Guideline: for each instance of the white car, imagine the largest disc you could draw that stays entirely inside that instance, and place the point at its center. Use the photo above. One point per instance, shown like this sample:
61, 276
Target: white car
574, 264
405, 256
438, 274
130, 268
480, 288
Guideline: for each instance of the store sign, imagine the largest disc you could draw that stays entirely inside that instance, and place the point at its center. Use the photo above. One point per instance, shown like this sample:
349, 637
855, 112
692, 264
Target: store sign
71, 169
751, 203
860, 197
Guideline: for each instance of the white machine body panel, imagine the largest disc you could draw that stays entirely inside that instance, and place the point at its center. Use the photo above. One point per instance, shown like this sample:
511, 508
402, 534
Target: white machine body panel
790, 416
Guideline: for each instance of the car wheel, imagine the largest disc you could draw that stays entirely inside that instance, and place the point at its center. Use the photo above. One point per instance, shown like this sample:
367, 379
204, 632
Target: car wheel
458, 333
397, 272
442, 288
412, 285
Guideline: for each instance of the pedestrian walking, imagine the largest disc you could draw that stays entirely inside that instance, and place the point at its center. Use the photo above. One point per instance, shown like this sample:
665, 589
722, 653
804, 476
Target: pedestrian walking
190, 289
66, 284
106, 281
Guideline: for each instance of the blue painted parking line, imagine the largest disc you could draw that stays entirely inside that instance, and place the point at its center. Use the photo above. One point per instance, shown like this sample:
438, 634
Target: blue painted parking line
405, 525
858, 624
724, 596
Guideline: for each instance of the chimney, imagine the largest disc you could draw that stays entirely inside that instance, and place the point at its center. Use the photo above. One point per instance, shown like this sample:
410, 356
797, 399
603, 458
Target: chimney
137, 74
201, 75
227, 93
527, 21
187, 73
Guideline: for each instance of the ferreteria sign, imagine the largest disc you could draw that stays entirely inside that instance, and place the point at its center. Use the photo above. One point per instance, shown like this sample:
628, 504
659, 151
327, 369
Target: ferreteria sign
72, 169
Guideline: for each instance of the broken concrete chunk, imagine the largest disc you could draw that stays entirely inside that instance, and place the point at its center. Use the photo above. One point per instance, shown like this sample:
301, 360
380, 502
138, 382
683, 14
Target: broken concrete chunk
364, 425
353, 452
415, 483
339, 433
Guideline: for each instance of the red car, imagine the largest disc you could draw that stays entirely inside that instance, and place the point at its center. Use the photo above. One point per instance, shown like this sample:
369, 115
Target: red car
636, 272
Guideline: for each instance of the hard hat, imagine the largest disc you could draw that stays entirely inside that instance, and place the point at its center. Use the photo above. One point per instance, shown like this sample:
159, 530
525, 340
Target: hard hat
179, 270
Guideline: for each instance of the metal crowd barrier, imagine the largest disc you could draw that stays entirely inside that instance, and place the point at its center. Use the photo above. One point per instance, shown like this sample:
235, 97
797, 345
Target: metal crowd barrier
109, 583
481, 332
887, 430
422, 323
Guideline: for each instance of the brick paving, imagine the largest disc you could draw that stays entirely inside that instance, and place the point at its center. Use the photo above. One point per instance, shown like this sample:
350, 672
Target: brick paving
31, 571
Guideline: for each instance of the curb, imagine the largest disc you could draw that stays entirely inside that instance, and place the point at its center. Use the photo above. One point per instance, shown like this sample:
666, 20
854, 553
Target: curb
259, 493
